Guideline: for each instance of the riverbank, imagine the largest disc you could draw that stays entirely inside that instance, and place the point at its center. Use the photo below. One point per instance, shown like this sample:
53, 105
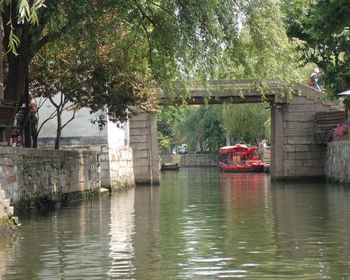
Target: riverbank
41, 179
8, 226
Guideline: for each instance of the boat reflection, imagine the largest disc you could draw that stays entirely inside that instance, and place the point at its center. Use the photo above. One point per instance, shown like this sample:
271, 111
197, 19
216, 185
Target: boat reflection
243, 188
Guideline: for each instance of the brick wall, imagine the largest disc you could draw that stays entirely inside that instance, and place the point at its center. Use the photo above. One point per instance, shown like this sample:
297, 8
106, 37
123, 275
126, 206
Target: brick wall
121, 168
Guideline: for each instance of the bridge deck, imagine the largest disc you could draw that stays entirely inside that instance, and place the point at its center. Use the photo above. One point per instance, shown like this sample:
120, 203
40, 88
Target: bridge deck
228, 91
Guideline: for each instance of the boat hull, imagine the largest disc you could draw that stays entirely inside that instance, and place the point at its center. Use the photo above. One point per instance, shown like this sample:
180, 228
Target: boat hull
170, 166
242, 167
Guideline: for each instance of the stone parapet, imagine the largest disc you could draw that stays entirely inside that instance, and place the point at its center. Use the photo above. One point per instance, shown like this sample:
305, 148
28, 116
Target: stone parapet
115, 164
29, 176
337, 163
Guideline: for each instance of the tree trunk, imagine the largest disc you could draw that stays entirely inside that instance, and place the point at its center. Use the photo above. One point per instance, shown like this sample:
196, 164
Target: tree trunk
59, 129
14, 75
18, 65
27, 125
1, 61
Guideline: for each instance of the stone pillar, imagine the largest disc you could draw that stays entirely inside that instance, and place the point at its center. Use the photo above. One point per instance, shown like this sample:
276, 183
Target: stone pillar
143, 140
277, 157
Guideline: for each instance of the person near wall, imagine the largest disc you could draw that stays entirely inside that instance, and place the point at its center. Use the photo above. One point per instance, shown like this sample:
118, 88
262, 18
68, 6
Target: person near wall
313, 82
33, 120
17, 130
21, 120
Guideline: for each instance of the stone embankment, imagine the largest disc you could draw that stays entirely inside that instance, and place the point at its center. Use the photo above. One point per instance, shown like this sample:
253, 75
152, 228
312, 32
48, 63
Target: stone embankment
6, 214
337, 163
191, 160
115, 165
41, 178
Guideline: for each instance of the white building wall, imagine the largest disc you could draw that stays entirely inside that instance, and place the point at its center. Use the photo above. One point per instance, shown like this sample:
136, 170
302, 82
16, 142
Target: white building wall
80, 127
118, 134
111, 143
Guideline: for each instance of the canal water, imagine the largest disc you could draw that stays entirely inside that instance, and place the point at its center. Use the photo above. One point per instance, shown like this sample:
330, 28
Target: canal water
198, 224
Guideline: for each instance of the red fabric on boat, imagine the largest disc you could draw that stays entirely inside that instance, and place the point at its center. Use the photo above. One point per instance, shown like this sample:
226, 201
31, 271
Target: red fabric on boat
239, 148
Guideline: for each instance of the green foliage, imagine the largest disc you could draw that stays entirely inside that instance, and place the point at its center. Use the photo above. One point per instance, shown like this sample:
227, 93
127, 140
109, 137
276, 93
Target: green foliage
168, 136
113, 53
22, 11
323, 32
246, 122
262, 49
96, 69
201, 128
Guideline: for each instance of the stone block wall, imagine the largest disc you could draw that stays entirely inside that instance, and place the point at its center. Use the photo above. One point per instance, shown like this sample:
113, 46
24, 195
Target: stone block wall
30, 174
121, 168
198, 160
170, 159
115, 164
144, 142
5, 208
337, 164
295, 153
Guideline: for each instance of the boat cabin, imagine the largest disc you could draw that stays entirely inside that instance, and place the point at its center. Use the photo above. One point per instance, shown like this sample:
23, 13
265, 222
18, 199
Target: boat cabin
240, 158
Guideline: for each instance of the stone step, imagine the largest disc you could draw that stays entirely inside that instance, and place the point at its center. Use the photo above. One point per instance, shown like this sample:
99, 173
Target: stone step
312, 94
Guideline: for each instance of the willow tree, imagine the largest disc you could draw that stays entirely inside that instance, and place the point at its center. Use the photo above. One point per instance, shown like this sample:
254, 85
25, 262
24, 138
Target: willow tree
263, 50
201, 129
179, 35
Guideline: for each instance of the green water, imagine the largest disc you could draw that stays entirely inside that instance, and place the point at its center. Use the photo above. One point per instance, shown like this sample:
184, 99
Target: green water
198, 224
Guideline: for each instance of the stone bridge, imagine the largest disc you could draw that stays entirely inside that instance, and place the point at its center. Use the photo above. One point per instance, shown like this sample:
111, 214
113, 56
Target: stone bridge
300, 120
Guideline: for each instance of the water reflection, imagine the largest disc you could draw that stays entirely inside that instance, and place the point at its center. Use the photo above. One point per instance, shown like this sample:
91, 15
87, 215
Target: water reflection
122, 232
6, 255
135, 234
312, 226
198, 224
66, 244
239, 190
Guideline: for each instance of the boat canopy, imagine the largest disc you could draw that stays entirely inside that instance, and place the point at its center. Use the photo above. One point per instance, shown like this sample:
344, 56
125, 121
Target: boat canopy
238, 148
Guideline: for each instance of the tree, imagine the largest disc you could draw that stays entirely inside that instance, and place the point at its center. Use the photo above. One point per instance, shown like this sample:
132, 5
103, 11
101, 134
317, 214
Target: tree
245, 122
322, 29
263, 49
18, 17
107, 75
201, 128
179, 35
168, 135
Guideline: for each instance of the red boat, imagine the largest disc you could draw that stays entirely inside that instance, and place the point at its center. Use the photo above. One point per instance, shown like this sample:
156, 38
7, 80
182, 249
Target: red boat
240, 158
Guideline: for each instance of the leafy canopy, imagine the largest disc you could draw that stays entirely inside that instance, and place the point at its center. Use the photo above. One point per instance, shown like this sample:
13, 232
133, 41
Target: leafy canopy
322, 29
172, 39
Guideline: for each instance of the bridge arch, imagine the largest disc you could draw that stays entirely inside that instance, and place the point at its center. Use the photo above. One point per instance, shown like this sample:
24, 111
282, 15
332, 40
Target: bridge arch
298, 146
